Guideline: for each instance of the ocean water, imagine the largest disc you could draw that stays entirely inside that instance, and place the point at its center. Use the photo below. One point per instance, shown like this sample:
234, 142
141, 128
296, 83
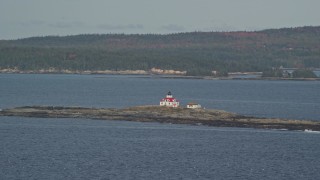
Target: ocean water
283, 99
92, 149
35, 148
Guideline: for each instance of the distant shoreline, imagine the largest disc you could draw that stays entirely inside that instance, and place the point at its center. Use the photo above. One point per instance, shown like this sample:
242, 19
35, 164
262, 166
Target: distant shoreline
152, 75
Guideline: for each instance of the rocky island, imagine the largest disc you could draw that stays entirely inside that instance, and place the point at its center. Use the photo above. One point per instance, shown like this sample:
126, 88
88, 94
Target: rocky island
160, 114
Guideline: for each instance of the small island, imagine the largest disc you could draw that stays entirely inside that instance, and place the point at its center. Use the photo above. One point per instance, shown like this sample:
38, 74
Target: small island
163, 114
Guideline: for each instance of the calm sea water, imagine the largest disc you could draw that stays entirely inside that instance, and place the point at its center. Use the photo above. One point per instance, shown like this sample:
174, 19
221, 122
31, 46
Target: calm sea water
33, 148
284, 99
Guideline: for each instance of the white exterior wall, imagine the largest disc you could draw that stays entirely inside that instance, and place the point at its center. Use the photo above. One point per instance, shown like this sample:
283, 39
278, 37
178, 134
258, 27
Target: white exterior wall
177, 104
193, 106
169, 104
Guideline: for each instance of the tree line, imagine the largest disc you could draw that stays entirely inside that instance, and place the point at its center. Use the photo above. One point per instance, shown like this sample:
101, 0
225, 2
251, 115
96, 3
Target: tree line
198, 53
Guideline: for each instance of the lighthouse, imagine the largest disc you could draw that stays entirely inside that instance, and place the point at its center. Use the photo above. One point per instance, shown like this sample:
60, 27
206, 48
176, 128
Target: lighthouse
169, 101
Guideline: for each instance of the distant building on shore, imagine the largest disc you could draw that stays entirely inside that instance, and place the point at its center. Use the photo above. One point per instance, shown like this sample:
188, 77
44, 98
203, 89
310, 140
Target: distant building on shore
169, 101
193, 105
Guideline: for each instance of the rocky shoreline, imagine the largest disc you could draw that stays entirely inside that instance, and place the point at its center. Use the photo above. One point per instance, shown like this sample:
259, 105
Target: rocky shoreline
159, 114
153, 71
168, 74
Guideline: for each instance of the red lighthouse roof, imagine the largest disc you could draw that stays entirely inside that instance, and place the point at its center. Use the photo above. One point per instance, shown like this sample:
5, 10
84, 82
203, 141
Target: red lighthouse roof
170, 100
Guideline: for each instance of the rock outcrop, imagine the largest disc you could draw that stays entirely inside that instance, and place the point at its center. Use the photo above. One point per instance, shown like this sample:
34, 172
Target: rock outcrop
206, 117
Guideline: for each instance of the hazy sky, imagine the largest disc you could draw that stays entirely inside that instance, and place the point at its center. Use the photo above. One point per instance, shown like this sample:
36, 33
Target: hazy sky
25, 18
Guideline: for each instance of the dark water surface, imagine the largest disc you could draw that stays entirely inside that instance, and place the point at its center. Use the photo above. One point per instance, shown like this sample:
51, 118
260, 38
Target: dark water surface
283, 99
91, 149
33, 148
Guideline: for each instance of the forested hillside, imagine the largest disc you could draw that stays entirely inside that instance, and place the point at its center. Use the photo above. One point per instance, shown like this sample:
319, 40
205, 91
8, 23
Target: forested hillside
198, 53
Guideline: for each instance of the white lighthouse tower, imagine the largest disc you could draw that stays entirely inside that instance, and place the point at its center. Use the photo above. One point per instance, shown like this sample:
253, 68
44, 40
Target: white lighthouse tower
169, 101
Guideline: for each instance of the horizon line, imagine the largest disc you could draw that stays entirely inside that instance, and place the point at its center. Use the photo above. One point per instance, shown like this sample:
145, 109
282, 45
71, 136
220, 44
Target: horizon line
163, 34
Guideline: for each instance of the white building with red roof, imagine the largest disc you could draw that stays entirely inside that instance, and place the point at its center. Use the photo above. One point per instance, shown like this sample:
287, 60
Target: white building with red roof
193, 105
169, 101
